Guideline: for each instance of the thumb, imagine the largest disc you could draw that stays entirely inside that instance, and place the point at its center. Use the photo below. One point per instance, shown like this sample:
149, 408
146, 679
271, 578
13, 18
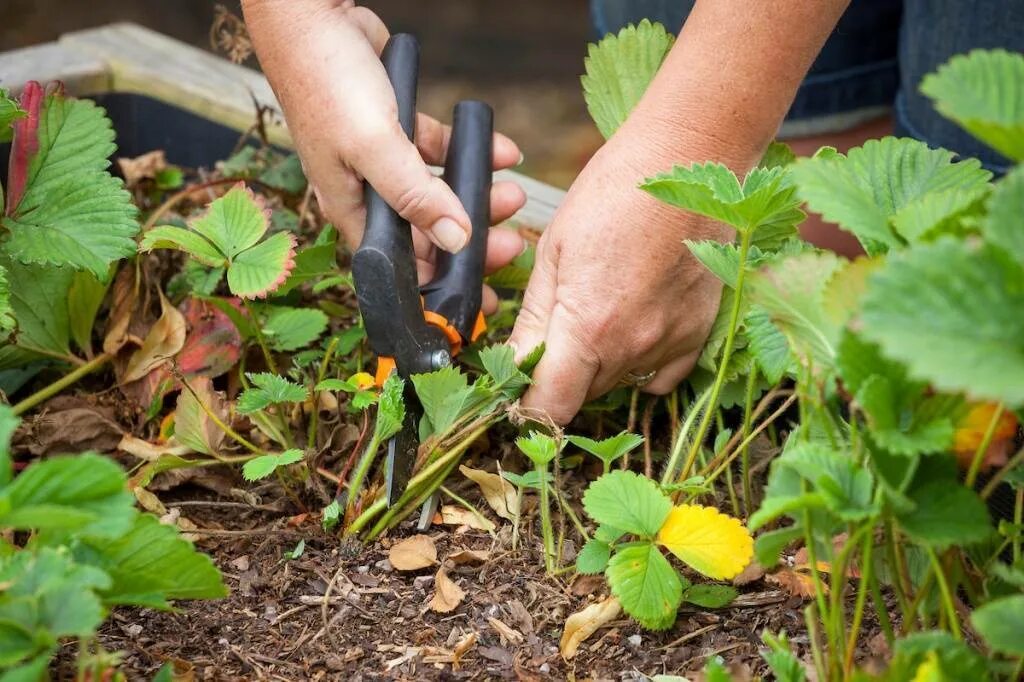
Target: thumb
394, 167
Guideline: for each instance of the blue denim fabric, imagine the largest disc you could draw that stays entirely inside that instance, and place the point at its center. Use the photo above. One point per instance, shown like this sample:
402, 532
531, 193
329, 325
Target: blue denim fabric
875, 58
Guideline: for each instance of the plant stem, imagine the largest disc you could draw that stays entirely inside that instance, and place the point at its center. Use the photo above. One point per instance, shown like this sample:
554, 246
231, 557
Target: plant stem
359, 473
858, 609
901, 580
545, 521
979, 454
881, 611
814, 637
315, 413
56, 387
567, 508
260, 339
730, 338
1018, 513
944, 591
669, 475
749, 439
994, 482
748, 404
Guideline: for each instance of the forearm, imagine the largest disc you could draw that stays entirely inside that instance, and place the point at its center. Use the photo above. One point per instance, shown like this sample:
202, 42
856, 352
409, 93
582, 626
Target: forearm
727, 83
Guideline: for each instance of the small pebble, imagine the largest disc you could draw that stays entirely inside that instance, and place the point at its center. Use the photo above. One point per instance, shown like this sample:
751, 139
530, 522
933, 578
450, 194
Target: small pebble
422, 582
546, 667
134, 630
634, 641
362, 569
384, 565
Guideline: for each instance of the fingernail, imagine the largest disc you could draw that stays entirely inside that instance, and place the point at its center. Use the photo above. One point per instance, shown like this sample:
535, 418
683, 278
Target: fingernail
522, 158
449, 235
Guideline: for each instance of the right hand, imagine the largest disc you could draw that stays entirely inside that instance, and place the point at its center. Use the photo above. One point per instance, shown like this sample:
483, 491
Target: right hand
322, 57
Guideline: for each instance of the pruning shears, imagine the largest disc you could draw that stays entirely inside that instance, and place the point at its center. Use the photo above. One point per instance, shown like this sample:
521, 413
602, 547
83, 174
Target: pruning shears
415, 329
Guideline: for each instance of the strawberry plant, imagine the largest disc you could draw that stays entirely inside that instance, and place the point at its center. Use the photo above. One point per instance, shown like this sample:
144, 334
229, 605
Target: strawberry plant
82, 549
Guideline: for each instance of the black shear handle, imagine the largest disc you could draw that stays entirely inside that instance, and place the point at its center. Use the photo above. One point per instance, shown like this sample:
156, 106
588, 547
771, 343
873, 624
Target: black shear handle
455, 291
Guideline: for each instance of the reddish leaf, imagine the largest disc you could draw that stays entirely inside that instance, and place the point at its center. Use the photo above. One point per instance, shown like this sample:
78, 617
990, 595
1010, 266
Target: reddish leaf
25, 143
213, 345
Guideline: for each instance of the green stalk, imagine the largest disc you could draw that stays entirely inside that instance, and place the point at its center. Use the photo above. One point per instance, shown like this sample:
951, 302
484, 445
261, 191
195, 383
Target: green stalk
469, 507
819, 590
979, 454
56, 387
901, 583
881, 610
1018, 513
567, 509
716, 389
260, 340
315, 415
545, 521
947, 595
858, 609
360, 471
681, 437
748, 406
814, 636
994, 482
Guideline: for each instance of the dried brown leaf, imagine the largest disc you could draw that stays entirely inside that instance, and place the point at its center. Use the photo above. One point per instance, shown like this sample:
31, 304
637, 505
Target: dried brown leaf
462, 647
499, 493
454, 515
164, 340
508, 635
582, 624
151, 452
796, 583
447, 595
469, 556
413, 553
143, 167
752, 573
68, 424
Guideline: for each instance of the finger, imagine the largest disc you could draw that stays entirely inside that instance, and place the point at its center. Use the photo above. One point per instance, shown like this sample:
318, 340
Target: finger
432, 138
531, 325
562, 379
489, 301
669, 376
507, 198
503, 245
371, 26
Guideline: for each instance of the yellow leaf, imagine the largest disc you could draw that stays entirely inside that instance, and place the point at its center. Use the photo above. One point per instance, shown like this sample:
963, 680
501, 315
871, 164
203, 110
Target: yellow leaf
363, 380
707, 541
499, 493
970, 432
447, 595
413, 553
929, 670
583, 624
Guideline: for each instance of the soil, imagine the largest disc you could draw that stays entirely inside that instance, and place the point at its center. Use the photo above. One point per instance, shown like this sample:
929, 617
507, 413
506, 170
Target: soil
341, 612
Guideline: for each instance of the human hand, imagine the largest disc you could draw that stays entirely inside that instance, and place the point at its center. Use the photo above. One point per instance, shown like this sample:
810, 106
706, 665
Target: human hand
322, 58
614, 289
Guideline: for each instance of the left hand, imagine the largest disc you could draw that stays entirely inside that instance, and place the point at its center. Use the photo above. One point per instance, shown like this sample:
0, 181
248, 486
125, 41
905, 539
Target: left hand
614, 290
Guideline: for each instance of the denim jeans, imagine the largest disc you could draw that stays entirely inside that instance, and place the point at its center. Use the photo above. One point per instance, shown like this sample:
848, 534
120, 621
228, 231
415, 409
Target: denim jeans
873, 62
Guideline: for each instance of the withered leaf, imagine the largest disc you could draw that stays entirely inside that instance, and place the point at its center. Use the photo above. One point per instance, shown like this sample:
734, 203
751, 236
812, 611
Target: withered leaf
447, 595
413, 553
582, 624
165, 338
499, 493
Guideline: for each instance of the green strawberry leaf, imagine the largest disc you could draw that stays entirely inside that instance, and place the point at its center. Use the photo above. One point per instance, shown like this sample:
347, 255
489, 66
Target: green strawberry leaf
593, 558
150, 564
710, 596
1000, 623
444, 394
499, 363
192, 243
983, 91
609, 449
264, 465
269, 389
63, 207
627, 501
945, 310
766, 197
863, 190
390, 409
768, 345
619, 69
9, 113
792, 293
288, 329
1001, 226
647, 586
539, 447
85, 493
945, 513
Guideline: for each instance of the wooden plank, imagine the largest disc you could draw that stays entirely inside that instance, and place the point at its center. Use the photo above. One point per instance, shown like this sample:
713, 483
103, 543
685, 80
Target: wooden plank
129, 58
80, 73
